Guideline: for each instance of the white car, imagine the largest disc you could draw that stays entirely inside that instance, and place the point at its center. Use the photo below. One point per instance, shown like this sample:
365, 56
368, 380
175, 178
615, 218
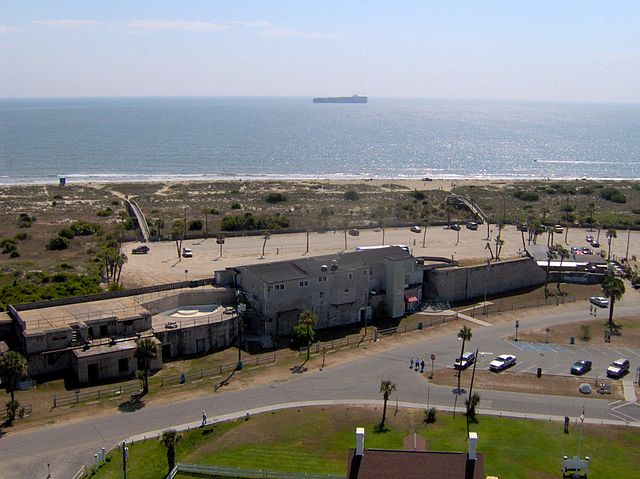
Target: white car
187, 253
502, 362
415, 229
465, 361
599, 301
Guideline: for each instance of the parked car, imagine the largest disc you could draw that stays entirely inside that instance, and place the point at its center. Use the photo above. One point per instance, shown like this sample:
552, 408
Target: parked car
502, 362
599, 301
618, 368
140, 250
415, 229
472, 225
581, 367
586, 250
466, 360
187, 253
595, 244
455, 227
558, 229
589, 238
171, 324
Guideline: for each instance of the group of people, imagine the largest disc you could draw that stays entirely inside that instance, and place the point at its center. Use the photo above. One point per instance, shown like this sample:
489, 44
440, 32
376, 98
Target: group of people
417, 364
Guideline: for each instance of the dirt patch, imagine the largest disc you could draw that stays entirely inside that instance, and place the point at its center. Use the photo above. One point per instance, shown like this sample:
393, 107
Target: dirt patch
524, 383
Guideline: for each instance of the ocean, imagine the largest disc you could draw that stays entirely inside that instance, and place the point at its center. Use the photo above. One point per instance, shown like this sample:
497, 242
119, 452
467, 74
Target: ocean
145, 139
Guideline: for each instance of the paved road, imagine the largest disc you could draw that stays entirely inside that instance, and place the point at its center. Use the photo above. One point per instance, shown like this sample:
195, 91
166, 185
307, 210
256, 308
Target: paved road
66, 447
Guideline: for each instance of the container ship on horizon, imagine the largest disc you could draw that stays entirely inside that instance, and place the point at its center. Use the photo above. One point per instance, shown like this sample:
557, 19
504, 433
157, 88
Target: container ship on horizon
342, 99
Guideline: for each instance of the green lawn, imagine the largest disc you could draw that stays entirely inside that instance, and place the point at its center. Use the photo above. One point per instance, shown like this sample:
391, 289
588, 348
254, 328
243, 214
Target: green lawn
318, 439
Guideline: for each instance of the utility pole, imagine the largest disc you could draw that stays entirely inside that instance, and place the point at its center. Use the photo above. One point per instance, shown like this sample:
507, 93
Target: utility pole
626, 255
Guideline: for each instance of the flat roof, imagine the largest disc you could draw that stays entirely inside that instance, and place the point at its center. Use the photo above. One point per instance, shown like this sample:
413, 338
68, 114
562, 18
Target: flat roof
311, 267
61, 316
539, 253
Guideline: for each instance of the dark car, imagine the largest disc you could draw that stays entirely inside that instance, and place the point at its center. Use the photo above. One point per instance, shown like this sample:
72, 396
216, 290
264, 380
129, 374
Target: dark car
595, 244
581, 367
455, 227
140, 250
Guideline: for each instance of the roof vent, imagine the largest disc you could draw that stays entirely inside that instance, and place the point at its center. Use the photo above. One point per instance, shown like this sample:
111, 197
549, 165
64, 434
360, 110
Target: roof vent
334, 265
324, 268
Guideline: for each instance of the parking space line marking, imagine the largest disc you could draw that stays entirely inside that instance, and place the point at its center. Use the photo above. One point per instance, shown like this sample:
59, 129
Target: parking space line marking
615, 402
631, 351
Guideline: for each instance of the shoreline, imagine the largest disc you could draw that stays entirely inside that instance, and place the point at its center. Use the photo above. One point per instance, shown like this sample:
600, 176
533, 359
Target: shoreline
173, 179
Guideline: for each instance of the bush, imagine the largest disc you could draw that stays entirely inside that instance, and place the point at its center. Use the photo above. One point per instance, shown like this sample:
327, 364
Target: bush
25, 221
195, 225
418, 195
236, 206
351, 195
585, 332
530, 196
104, 212
214, 211
614, 195
248, 222
66, 233
22, 236
8, 246
275, 198
14, 254
430, 415
82, 228
57, 243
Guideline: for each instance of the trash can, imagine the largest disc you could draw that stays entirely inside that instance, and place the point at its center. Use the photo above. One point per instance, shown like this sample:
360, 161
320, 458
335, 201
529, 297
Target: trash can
539, 372
420, 326
572, 340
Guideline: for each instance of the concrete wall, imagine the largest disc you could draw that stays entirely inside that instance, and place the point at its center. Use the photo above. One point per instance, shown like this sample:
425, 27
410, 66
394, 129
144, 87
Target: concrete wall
197, 339
465, 283
185, 298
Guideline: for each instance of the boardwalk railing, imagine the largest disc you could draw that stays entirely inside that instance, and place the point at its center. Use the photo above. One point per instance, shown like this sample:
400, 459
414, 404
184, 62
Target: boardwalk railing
216, 471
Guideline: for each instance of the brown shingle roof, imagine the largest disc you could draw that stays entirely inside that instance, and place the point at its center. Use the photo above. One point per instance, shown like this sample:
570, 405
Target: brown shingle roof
386, 464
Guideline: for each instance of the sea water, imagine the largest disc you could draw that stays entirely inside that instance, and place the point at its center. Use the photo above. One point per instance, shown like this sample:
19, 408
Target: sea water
140, 139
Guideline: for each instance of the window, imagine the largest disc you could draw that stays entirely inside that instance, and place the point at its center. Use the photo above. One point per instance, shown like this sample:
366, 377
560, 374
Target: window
321, 294
304, 284
279, 287
371, 272
123, 365
346, 291
350, 276
322, 279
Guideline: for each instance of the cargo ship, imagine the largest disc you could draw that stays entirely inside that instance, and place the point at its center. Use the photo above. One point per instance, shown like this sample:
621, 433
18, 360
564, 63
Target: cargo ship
342, 99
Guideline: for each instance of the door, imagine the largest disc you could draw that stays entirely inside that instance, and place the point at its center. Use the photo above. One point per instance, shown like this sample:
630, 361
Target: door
93, 373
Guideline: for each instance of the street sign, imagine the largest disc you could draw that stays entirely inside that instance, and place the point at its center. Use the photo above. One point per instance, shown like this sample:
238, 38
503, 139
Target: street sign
433, 357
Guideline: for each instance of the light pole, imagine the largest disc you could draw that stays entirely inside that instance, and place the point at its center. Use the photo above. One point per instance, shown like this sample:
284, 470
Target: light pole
517, 327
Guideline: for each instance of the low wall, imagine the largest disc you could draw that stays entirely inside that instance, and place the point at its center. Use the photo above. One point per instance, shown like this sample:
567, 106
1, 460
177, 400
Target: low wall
465, 283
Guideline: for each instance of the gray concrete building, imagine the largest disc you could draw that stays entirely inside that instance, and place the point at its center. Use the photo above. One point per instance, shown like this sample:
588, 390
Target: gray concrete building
340, 289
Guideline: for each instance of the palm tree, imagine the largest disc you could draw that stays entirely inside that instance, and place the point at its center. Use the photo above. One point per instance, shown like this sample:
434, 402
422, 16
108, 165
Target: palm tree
464, 334
146, 351
266, 237
386, 388
551, 254
13, 366
613, 288
169, 439
611, 233
472, 404
563, 253
307, 321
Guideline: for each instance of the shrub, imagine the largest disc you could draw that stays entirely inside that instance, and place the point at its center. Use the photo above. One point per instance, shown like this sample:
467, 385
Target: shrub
214, 211
430, 415
8, 246
14, 254
275, 198
22, 236
351, 195
25, 221
236, 206
104, 212
568, 208
66, 233
585, 332
636, 211
82, 228
614, 195
195, 225
526, 195
248, 222
418, 195
57, 243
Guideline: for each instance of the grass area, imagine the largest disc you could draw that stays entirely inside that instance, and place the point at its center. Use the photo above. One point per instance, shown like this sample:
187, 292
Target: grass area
317, 440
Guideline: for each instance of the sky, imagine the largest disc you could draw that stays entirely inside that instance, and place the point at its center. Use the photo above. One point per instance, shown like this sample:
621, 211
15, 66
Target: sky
559, 50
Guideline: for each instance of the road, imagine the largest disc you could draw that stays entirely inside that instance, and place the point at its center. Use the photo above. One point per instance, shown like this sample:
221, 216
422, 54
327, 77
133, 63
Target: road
67, 446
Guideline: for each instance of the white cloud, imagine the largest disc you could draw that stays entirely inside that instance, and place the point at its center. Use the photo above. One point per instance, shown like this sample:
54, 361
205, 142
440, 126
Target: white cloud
251, 24
275, 32
68, 23
172, 25
4, 29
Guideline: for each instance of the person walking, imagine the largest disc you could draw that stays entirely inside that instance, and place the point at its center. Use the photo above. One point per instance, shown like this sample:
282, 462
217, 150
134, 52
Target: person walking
411, 363
204, 419
422, 366
417, 364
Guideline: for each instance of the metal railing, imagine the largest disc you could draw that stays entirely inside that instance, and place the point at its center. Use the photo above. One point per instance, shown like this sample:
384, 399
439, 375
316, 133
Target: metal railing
95, 395
504, 308
217, 371
233, 472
